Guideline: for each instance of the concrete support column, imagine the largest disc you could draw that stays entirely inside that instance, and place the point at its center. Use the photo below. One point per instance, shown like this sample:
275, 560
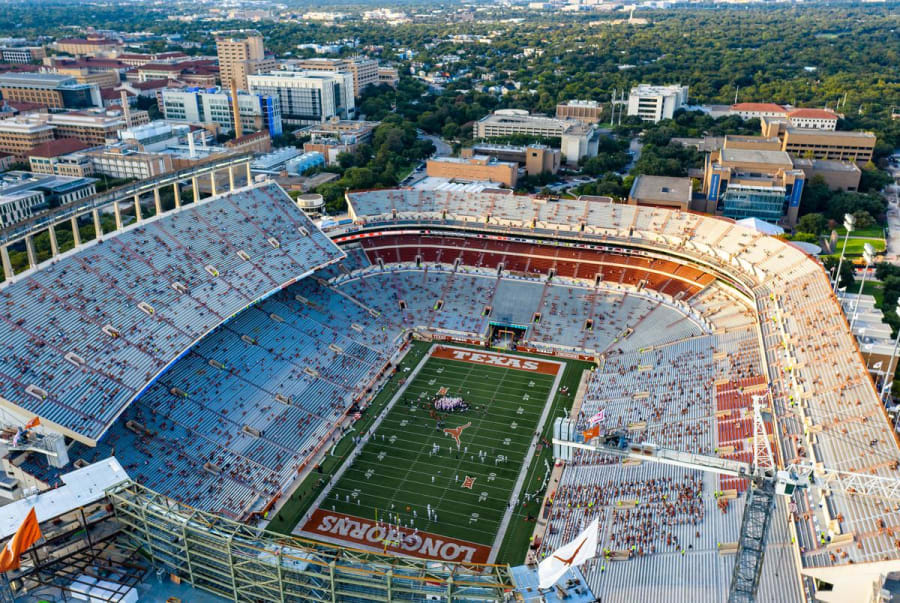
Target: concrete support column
118, 214
7, 264
249, 177
98, 226
32, 254
231, 177
156, 200
177, 188
54, 244
137, 208
76, 235
196, 188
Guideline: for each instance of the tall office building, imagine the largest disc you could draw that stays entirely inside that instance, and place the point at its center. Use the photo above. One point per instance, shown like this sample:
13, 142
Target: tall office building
241, 53
307, 97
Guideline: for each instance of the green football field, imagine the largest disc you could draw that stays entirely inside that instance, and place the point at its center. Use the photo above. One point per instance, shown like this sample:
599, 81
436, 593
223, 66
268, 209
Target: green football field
397, 473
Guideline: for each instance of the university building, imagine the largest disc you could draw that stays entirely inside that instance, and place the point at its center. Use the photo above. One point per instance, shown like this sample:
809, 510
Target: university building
654, 103
307, 97
241, 53
215, 106
52, 90
474, 168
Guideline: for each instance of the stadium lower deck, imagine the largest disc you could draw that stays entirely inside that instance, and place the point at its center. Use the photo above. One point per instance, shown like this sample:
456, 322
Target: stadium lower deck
230, 425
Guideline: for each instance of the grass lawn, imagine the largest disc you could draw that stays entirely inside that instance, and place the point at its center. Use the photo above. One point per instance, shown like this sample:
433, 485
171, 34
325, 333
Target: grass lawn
873, 232
855, 246
874, 289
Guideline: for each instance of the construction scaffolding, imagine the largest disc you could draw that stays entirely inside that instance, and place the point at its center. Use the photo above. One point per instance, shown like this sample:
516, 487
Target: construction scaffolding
245, 563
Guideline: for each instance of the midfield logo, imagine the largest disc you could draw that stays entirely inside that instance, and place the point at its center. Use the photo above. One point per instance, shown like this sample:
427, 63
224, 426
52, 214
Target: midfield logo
456, 432
469, 482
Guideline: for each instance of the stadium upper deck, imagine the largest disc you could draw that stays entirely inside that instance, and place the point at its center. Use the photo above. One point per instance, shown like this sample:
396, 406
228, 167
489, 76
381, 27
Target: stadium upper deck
828, 409
83, 336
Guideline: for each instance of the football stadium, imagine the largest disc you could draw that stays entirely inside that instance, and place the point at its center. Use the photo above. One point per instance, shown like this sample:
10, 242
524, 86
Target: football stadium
242, 403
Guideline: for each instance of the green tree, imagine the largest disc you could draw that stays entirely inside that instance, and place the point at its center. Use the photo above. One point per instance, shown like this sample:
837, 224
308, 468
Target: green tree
847, 279
813, 224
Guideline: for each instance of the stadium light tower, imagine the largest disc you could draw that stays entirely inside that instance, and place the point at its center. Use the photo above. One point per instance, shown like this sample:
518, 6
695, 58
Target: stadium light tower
869, 257
849, 224
889, 374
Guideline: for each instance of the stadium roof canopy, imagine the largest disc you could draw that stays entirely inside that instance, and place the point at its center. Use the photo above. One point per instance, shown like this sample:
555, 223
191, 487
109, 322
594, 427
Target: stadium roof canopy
86, 334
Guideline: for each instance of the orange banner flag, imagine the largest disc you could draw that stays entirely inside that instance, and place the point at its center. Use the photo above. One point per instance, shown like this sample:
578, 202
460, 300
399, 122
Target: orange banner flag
29, 533
33, 423
591, 433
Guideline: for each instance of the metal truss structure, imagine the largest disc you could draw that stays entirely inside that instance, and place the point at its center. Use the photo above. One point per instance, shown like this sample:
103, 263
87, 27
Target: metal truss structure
78, 548
752, 543
245, 563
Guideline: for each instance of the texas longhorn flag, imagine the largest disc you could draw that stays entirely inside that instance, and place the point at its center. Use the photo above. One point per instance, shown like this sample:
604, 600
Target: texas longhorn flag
29, 533
575, 553
591, 433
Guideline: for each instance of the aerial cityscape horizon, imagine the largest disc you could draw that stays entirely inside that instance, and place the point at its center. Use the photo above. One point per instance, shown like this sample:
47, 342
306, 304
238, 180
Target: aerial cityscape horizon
463, 301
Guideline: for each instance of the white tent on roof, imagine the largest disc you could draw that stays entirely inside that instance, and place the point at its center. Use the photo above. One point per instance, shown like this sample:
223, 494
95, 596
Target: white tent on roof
762, 226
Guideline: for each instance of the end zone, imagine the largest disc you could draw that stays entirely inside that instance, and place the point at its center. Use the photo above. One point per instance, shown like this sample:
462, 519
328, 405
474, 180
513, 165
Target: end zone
522, 363
368, 534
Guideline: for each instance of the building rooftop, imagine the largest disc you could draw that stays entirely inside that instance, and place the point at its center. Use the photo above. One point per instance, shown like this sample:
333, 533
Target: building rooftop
81, 487
55, 148
19, 181
832, 133
35, 79
514, 116
663, 188
318, 75
759, 107
826, 165
581, 103
655, 89
775, 158
813, 113
94, 41
473, 160
20, 125
433, 183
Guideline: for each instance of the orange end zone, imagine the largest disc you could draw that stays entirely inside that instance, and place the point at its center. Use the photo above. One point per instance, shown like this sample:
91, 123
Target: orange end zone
531, 365
365, 533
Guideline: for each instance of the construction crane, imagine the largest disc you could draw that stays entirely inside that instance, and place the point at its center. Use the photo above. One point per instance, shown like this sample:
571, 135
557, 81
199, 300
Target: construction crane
766, 482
